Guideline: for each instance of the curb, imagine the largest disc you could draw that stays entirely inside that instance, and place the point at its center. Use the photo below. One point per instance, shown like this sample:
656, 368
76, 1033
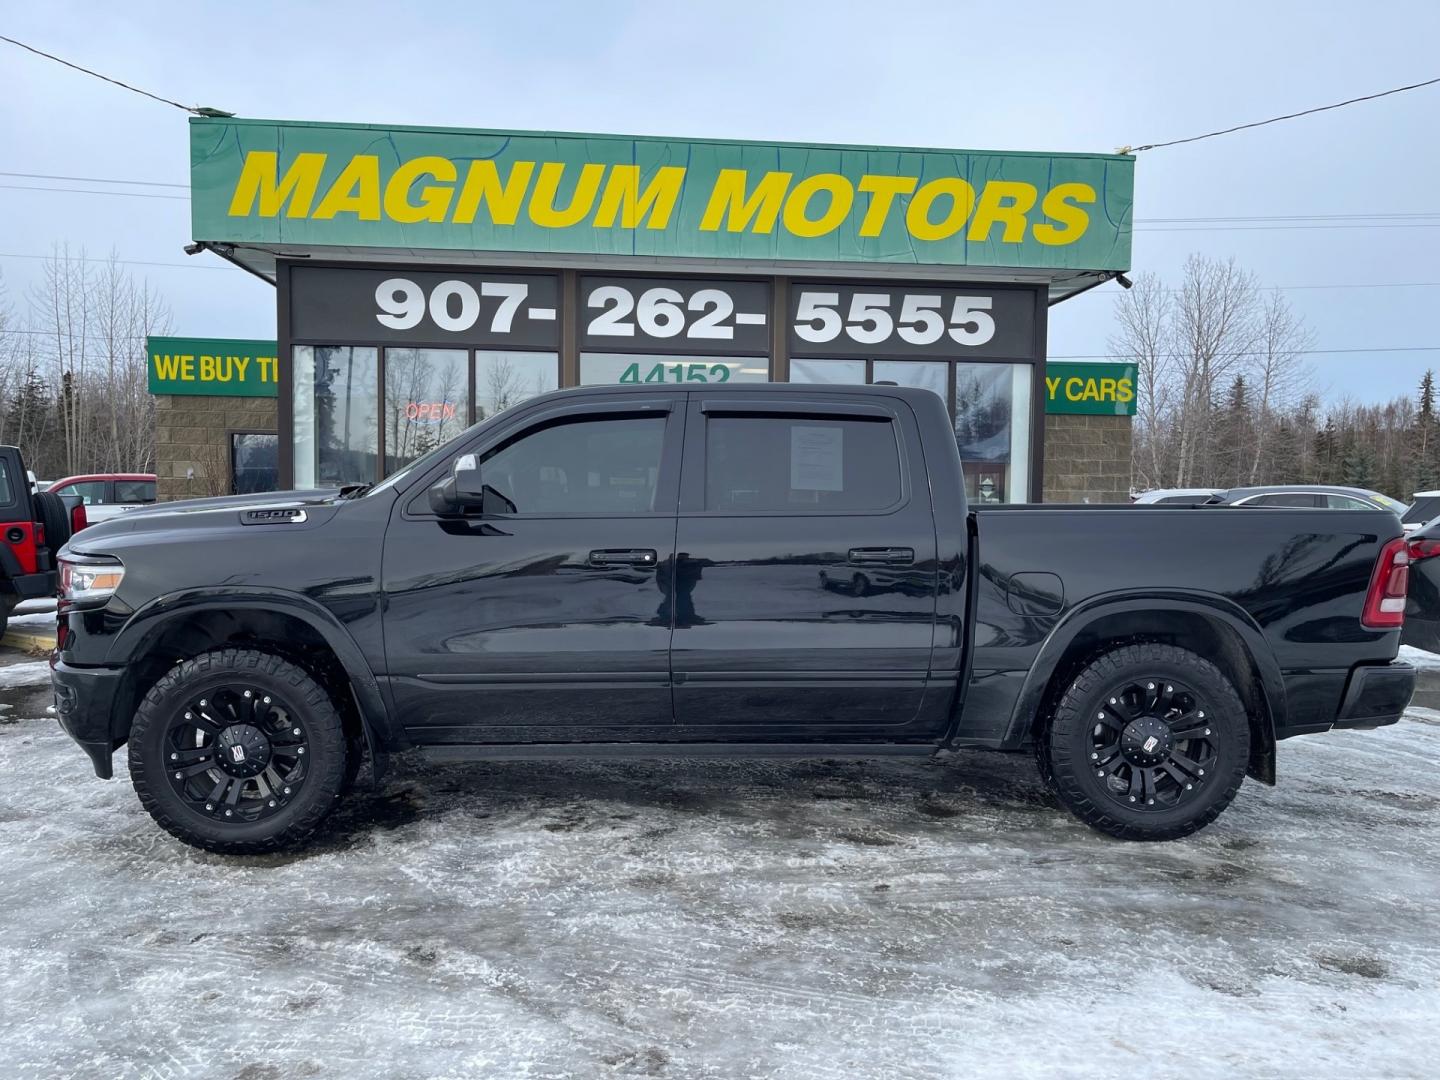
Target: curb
29, 641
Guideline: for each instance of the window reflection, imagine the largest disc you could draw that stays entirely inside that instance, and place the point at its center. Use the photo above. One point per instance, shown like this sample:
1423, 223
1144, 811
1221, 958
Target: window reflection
427, 401
992, 429
336, 415
503, 379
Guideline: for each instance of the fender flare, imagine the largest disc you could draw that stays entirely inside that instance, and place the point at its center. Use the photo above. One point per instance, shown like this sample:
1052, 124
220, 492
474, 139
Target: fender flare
146, 625
1206, 605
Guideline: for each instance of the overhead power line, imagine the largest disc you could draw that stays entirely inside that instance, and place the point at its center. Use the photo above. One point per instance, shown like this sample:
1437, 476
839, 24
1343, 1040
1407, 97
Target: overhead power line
123, 262
198, 110
1277, 119
88, 191
92, 179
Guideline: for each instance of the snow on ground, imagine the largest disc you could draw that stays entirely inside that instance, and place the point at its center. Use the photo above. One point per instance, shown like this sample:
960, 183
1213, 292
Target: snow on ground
1425, 661
807, 920
33, 673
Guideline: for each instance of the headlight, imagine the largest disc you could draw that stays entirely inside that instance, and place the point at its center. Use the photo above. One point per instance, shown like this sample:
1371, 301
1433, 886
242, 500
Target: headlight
86, 581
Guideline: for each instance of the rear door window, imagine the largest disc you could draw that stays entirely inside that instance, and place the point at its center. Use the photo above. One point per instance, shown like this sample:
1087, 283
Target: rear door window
91, 492
134, 491
1421, 511
1285, 498
6, 495
1347, 502
769, 463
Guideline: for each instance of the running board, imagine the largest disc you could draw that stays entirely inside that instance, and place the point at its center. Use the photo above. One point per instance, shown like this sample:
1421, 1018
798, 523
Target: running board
541, 751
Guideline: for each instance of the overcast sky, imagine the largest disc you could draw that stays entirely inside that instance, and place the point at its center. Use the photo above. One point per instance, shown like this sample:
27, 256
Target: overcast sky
1039, 76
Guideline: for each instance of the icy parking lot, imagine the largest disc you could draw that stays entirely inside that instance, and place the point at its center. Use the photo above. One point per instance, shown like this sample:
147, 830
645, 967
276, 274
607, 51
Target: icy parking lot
725, 919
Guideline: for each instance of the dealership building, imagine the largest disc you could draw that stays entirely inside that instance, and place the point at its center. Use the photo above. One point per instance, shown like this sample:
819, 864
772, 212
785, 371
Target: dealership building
426, 278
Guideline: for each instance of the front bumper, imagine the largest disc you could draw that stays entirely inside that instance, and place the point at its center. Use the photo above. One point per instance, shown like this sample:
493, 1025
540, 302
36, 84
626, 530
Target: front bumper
1376, 695
85, 706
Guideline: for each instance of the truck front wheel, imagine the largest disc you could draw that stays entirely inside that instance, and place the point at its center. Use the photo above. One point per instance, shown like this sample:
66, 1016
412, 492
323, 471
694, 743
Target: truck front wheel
1149, 742
238, 752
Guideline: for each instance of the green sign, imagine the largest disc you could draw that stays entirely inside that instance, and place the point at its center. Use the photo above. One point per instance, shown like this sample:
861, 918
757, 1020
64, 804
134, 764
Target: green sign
1093, 389
230, 366
446, 189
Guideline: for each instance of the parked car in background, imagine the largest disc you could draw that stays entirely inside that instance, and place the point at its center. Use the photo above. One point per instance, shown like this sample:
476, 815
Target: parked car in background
1176, 496
1422, 606
107, 495
1310, 496
1423, 509
33, 527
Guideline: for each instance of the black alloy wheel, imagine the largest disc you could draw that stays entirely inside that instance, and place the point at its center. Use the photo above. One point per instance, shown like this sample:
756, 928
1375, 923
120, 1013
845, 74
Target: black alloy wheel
1152, 744
1148, 742
238, 751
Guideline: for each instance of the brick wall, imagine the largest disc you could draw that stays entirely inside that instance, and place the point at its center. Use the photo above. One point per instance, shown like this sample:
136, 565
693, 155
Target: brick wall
1087, 459
192, 433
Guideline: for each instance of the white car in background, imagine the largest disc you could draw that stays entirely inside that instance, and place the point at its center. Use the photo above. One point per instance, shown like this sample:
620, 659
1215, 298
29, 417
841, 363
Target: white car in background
1176, 496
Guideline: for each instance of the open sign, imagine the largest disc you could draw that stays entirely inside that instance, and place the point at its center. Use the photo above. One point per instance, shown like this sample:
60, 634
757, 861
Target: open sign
429, 412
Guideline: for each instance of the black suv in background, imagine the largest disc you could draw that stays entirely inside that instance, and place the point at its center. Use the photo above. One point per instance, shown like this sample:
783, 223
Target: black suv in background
742, 570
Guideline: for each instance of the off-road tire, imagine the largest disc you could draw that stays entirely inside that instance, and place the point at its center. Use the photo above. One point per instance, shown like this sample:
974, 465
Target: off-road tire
327, 766
1063, 747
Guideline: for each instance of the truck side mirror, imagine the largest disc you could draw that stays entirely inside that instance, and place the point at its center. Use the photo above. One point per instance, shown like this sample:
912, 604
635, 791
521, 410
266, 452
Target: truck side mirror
464, 490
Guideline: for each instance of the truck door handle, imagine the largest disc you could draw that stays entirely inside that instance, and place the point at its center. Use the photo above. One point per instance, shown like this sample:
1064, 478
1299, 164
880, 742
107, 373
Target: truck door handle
624, 557
887, 556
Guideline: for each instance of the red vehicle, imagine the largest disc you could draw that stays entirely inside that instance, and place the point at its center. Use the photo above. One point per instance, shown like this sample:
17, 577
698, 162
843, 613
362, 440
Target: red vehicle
33, 527
107, 495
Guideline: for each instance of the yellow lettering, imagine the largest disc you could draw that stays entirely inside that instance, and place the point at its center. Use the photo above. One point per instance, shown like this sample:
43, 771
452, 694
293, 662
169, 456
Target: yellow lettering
962, 201
543, 211
241, 364
1092, 391
187, 368
1107, 389
993, 208
167, 367
1058, 206
841, 198
434, 200
355, 191
258, 183
1074, 388
882, 190
482, 182
729, 201
1126, 391
1052, 386
207, 368
623, 196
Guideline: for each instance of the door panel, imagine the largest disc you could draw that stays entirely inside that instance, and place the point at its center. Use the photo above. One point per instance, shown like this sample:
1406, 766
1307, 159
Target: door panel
806, 575
543, 624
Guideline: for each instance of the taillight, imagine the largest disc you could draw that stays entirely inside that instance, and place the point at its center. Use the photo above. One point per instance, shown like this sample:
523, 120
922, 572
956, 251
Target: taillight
1423, 549
78, 520
1385, 602
39, 535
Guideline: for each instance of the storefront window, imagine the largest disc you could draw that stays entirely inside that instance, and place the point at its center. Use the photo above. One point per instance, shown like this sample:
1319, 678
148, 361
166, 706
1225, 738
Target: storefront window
992, 428
926, 375
828, 371
597, 368
427, 401
503, 379
337, 415
254, 462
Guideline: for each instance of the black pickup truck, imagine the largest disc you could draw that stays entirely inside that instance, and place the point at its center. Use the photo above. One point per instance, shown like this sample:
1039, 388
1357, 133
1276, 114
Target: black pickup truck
739, 570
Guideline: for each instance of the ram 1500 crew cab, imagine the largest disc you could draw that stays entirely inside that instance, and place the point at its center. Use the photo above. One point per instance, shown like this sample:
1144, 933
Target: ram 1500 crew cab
714, 569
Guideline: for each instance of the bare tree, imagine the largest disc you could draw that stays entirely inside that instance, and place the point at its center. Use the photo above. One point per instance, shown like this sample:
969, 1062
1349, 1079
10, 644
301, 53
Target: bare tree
1280, 374
1145, 337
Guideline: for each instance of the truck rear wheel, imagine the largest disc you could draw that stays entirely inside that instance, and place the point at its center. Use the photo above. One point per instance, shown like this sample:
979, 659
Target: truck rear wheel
238, 752
1149, 742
